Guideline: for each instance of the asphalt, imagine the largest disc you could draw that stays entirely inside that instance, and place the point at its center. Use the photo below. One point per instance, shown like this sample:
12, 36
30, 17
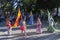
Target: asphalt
31, 33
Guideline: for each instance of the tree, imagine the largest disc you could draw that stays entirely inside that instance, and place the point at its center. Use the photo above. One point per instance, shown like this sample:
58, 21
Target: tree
28, 4
47, 4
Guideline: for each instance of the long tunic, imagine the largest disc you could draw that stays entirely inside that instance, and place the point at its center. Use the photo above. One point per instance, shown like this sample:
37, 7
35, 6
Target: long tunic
31, 20
51, 26
38, 29
23, 27
9, 29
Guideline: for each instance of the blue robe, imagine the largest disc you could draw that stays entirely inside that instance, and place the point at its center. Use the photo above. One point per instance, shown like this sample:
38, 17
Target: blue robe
31, 20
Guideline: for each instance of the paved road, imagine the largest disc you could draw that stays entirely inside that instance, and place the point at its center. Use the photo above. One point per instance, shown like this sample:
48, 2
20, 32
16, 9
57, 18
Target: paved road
55, 36
31, 35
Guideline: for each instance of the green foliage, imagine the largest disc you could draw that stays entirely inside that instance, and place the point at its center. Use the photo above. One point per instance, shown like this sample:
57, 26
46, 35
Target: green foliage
26, 1
29, 1
45, 4
8, 6
48, 4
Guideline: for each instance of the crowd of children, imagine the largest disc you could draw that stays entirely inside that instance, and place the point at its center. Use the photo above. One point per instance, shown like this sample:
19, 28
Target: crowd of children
23, 26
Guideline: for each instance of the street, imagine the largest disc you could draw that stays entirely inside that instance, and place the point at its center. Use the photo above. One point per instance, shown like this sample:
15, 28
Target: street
31, 33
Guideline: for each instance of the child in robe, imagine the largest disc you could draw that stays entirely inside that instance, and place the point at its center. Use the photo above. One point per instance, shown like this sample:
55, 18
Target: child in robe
23, 27
9, 27
39, 24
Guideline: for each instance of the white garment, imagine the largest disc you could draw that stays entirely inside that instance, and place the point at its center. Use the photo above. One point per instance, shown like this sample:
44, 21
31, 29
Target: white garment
24, 23
50, 20
9, 32
52, 23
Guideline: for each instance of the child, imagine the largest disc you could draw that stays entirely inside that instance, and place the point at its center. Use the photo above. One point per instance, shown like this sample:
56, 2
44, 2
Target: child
38, 29
31, 19
23, 27
51, 25
9, 27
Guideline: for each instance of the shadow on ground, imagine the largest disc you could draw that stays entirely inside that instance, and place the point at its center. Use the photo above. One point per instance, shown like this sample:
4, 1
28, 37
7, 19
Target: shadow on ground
20, 36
